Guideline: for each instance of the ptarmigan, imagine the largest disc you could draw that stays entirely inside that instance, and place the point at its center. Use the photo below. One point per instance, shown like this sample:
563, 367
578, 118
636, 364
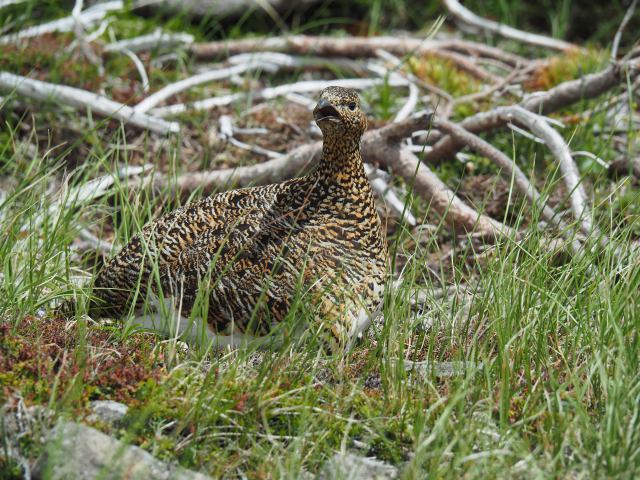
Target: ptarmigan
248, 255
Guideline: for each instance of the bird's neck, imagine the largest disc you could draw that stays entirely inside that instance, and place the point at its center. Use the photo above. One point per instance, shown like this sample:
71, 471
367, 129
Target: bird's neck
341, 160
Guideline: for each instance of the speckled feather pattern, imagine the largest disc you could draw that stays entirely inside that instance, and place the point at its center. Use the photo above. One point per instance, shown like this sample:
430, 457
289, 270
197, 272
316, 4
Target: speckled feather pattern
253, 249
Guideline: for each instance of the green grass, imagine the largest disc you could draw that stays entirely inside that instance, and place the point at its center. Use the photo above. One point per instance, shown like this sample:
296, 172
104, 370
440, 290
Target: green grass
550, 339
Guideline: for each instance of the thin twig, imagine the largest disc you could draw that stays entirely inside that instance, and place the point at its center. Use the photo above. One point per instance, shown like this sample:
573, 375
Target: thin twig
384, 191
618, 36
397, 62
139, 66
472, 97
410, 105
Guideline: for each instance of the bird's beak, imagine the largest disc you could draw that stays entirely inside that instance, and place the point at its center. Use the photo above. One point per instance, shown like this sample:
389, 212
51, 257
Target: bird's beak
325, 111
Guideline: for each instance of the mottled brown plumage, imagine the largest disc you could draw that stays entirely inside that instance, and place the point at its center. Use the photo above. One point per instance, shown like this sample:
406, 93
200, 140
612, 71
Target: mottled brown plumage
254, 248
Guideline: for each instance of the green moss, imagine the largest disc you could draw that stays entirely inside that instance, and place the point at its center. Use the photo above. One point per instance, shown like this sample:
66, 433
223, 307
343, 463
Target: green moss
573, 64
444, 74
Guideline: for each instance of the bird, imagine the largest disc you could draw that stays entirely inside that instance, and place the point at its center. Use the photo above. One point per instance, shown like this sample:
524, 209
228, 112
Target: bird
248, 256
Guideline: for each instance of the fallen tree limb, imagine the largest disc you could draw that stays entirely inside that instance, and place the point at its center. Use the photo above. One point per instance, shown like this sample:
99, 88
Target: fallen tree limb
560, 150
623, 24
209, 76
507, 166
271, 171
82, 99
565, 94
467, 17
88, 17
352, 47
273, 92
152, 41
455, 213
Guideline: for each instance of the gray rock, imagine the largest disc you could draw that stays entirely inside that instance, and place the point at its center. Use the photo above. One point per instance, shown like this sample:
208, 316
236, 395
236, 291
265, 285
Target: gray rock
76, 451
443, 369
349, 466
107, 411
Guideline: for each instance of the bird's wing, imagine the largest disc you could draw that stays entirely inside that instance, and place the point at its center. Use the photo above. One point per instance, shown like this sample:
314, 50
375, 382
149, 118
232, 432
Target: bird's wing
187, 236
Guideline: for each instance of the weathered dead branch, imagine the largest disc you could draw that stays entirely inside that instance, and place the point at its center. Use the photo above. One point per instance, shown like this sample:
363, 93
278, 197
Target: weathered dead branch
558, 147
90, 16
563, 95
82, 99
442, 200
560, 150
623, 24
153, 41
351, 47
507, 166
467, 17
274, 92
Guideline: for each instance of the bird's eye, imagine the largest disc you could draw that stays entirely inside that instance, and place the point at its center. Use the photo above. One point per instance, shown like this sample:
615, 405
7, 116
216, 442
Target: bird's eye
352, 106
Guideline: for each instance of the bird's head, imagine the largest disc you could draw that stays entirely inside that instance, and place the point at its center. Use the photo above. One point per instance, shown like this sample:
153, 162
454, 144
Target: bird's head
338, 112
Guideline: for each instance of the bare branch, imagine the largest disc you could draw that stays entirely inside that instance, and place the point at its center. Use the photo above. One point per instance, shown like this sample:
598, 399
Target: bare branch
562, 153
507, 166
82, 99
384, 191
410, 105
274, 92
139, 66
152, 41
457, 214
564, 94
90, 16
352, 47
618, 36
467, 17
209, 76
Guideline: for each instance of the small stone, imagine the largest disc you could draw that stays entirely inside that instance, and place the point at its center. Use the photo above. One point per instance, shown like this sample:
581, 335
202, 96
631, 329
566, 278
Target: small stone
107, 411
443, 369
73, 450
349, 466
